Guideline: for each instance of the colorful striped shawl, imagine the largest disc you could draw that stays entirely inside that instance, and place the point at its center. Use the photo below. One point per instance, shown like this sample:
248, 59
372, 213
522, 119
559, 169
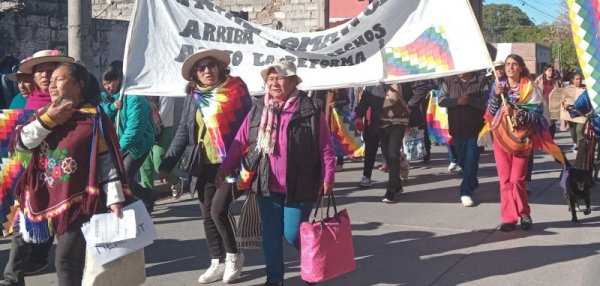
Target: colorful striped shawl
529, 97
223, 108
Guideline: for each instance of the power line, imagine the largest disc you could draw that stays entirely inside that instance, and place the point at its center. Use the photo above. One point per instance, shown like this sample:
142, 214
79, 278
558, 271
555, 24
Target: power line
535, 8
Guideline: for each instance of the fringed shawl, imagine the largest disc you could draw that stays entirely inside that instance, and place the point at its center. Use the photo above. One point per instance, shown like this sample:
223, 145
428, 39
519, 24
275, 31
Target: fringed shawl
60, 184
223, 109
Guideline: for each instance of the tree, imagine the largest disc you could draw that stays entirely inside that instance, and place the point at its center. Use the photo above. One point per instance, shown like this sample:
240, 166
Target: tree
499, 18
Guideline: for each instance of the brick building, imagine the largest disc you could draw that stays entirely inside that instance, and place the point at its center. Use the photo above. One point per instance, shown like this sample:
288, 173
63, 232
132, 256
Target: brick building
536, 56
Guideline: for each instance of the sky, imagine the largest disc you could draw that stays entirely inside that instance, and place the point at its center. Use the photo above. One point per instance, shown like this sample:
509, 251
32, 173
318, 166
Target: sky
539, 11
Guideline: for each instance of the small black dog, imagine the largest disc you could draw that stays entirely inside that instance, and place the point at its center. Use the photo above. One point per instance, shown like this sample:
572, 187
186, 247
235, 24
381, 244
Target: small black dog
578, 188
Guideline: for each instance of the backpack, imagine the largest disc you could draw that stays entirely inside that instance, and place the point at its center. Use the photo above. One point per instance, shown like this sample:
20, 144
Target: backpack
156, 119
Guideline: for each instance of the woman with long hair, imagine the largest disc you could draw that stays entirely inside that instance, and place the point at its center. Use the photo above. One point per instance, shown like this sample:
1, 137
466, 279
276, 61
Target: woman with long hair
517, 97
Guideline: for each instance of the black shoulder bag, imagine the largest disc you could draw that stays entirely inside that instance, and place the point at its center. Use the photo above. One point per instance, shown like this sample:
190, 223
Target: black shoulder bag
191, 160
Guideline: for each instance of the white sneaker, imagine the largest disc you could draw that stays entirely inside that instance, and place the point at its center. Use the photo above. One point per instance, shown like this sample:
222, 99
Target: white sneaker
453, 167
234, 262
467, 201
213, 273
365, 182
177, 190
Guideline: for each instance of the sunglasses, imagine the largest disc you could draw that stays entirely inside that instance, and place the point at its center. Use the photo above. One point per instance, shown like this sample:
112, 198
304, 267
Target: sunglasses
201, 68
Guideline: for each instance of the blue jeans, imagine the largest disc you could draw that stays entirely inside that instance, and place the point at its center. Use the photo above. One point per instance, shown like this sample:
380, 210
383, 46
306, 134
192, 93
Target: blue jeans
468, 152
452, 154
280, 220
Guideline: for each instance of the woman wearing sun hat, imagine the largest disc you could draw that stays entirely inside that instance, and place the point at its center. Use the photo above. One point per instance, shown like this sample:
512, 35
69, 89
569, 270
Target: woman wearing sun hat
214, 109
289, 130
41, 65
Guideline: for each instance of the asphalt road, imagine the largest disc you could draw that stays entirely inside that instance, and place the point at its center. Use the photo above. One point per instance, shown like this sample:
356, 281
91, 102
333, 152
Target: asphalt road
426, 238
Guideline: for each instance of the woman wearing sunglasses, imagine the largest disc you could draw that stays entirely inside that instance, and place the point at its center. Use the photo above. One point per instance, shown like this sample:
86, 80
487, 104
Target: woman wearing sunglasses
214, 109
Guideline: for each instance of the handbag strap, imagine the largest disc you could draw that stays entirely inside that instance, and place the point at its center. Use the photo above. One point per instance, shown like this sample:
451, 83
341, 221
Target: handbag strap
319, 202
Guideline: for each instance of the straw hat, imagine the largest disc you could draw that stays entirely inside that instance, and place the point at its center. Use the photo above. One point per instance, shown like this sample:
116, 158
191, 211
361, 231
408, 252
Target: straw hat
42, 57
188, 64
282, 66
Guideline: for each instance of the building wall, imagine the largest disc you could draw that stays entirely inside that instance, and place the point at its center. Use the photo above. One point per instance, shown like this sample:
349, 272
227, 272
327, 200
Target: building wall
27, 27
287, 15
536, 56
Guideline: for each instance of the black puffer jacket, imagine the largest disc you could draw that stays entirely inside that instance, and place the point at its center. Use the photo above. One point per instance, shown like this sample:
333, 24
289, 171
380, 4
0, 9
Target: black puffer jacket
303, 175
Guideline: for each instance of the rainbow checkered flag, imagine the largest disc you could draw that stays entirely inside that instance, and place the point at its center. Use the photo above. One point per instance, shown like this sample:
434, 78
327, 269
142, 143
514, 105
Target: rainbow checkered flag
11, 166
346, 140
585, 15
428, 53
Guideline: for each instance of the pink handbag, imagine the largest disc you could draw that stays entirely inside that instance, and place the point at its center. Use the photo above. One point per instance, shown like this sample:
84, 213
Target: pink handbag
326, 246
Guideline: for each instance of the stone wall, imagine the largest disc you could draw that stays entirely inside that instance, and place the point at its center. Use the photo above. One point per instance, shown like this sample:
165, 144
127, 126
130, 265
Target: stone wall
287, 15
27, 27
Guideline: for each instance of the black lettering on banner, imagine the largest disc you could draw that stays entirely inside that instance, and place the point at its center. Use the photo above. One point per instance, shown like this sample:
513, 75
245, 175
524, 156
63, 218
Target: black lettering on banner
290, 43
324, 63
330, 38
247, 37
220, 33
369, 35
185, 3
257, 58
381, 43
348, 47
359, 58
313, 63
184, 52
238, 36
271, 44
236, 58
251, 28
209, 32
200, 4
370, 10
219, 10
379, 30
259, 62
344, 31
191, 29
347, 61
302, 62
306, 41
334, 63
359, 42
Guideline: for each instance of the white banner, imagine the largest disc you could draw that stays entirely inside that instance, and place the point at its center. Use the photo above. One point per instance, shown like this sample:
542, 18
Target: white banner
390, 41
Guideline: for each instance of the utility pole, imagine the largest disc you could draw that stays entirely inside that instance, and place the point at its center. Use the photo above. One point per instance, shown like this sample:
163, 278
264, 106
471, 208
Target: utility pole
78, 25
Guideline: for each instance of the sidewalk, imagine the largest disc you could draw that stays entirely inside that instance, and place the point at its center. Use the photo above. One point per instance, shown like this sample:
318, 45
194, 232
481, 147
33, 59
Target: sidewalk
426, 238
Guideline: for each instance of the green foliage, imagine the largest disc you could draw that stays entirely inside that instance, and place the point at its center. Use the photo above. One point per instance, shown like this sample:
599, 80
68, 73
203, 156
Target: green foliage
500, 18
505, 23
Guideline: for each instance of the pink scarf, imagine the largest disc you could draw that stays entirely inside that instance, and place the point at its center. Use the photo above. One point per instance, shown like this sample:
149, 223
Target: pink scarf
37, 99
269, 122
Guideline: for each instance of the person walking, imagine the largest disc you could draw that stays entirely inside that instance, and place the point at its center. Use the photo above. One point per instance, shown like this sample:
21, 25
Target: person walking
166, 108
29, 258
70, 163
524, 101
214, 109
465, 97
132, 116
389, 116
288, 138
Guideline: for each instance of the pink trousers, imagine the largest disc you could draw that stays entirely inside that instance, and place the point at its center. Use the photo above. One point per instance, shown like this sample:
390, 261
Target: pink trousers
513, 188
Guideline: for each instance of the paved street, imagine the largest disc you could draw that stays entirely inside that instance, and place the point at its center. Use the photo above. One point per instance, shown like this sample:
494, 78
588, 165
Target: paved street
426, 238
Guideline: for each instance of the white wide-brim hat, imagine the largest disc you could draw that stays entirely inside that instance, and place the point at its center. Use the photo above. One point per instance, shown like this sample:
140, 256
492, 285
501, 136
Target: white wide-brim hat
498, 63
13, 76
282, 66
42, 57
188, 64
